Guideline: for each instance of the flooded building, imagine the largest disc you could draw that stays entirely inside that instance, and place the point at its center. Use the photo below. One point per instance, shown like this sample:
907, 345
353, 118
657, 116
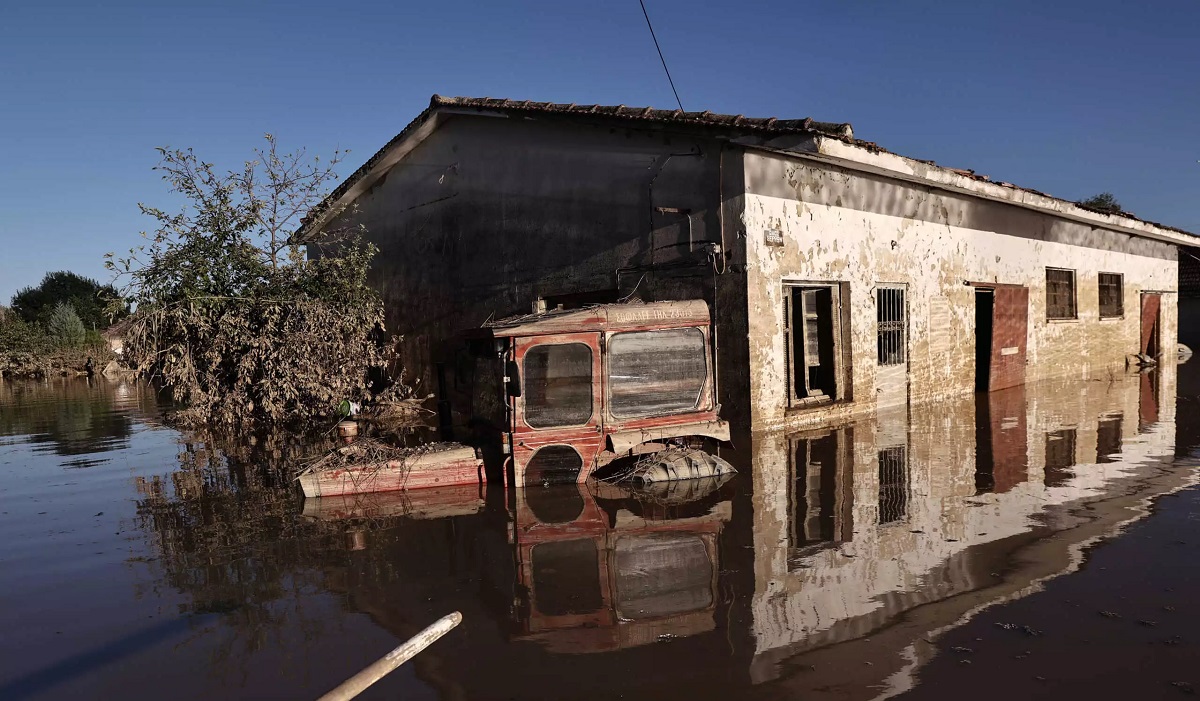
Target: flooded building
841, 278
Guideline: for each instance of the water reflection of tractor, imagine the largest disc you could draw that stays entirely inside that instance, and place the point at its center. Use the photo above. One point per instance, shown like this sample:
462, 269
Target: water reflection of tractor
595, 567
598, 570
554, 396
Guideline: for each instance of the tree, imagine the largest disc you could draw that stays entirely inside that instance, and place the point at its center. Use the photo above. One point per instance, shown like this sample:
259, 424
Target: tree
65, 326
1104, 202
93, 302
231, 315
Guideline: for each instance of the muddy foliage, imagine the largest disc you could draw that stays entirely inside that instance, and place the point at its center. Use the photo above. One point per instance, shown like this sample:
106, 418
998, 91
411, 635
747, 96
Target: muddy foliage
256, 361
245, 322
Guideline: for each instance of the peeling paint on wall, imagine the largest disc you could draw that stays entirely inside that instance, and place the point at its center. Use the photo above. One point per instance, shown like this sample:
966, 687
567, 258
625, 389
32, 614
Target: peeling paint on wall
901, 234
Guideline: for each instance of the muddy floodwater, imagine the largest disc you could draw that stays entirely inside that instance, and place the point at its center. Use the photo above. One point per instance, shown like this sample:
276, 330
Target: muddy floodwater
1036, 542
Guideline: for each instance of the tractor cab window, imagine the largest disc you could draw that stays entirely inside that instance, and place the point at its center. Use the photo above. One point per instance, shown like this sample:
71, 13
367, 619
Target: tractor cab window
558, 385
651, 373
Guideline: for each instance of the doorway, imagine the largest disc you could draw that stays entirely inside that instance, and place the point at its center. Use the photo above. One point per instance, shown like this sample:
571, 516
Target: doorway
984, 306
1001, 336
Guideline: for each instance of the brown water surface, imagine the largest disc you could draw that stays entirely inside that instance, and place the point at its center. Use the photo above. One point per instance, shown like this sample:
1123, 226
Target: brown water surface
1040, 541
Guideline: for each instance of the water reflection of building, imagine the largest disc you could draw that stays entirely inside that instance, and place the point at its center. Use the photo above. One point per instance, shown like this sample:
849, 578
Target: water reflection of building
859, 524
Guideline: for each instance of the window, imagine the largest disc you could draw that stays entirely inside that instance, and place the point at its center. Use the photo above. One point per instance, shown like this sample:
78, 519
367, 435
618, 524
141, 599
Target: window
1060, 457
1108, 439
821, 499
893, 484
890, 325
1112, 298
558, 385
1060, 293
814, 343
656, 372
566, 577
662, 574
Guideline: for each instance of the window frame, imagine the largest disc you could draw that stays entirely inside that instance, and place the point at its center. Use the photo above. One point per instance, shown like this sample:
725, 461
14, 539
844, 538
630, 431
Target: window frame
840, 474
895, 494
1073, 314
1120, 287
840, 329
525, 386
898, 302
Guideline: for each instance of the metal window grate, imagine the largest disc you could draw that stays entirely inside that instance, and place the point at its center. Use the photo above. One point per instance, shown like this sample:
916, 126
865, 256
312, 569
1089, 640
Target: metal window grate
1060, 293
891, 325
1112, 298
893, 484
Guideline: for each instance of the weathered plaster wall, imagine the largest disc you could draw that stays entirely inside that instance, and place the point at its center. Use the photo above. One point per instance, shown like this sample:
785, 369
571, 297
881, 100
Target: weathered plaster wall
488, 213
845, 226
954, 538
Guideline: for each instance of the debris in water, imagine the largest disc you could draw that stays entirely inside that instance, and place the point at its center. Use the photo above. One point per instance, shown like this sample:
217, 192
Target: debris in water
671, 464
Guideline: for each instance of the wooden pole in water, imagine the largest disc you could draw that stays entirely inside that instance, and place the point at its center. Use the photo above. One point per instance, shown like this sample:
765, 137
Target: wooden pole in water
382, 667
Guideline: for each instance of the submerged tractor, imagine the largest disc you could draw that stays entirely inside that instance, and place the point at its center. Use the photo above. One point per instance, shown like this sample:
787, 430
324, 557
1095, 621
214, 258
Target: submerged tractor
555, 396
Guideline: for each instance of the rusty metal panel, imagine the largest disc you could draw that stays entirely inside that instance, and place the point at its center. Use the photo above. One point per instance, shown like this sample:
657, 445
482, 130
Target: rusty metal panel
586, 438
1010, 336
606, 317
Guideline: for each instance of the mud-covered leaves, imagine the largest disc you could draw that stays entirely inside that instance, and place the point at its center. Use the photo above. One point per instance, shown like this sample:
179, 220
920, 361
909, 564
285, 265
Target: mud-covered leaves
231, 314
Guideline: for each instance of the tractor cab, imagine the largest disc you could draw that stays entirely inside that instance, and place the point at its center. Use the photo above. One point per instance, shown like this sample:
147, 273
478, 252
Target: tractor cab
583, 387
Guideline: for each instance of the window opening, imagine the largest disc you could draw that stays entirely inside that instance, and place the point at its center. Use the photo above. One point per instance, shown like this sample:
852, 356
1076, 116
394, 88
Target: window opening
891, 325
1112, 298
1108, 439
656, 372
893, 484
662, 574
812, 343
1060, 457
821, 495
566, 577
1060, 293
558, 385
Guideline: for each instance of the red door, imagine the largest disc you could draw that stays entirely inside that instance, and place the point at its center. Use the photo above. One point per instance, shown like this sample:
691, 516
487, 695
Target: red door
557, 427
1010, 336
1150, 312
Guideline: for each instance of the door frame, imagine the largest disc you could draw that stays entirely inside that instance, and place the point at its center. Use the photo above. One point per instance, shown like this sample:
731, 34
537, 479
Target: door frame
1007, 362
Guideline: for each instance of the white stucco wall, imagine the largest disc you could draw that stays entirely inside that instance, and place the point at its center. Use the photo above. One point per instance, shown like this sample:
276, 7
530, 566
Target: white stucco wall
841, 226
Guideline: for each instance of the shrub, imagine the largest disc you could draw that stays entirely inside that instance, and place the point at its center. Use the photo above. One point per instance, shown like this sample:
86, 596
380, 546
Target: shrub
18, 336
231, 316
65, 326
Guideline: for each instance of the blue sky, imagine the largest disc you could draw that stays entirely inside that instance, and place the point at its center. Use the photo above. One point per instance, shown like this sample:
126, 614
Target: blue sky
1069, 97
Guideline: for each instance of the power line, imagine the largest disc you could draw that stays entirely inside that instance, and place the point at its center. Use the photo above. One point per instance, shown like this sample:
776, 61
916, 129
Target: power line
660, 55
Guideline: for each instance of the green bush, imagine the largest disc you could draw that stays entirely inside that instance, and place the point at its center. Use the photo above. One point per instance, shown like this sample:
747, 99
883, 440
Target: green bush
17, 335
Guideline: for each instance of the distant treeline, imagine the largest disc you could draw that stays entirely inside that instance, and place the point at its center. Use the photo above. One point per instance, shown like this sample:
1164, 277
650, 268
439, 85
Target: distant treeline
54, 327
